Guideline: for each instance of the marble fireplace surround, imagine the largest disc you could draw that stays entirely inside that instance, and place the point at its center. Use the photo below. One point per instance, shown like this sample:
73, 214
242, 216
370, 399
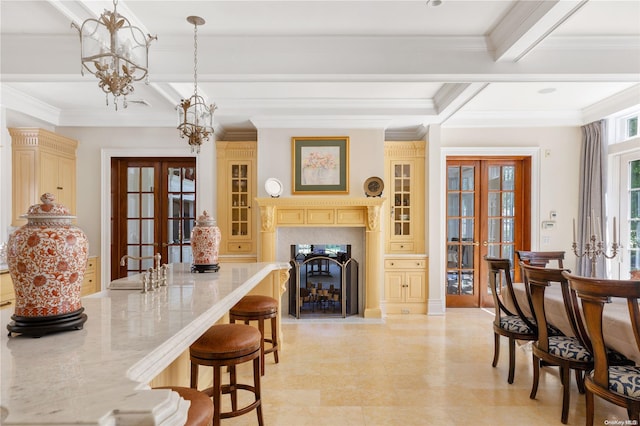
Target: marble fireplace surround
309, 211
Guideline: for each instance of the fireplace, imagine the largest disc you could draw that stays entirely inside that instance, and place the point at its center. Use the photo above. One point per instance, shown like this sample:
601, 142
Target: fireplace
323, 281
322, 217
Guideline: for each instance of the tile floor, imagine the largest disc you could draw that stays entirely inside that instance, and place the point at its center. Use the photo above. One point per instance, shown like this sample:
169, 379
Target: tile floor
408, 370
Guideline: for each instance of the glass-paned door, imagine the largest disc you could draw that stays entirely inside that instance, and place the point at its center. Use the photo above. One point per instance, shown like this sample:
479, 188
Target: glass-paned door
153, 211
486, 216
630, 225
463, 229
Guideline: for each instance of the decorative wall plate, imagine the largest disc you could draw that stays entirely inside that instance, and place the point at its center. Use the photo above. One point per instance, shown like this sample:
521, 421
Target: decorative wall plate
273, 187
373, 186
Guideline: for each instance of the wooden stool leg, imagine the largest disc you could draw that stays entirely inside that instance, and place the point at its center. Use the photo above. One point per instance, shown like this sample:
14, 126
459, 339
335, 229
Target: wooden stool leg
256, 384
232, 388
194, 375
217, 395
274, 338
261, 328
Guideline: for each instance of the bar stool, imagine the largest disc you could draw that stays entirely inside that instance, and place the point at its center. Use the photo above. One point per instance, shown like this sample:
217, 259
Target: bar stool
259, 308
227, 345
200, 411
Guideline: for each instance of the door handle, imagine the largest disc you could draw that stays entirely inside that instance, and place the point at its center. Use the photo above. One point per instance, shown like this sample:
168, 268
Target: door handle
475, 244
485, 244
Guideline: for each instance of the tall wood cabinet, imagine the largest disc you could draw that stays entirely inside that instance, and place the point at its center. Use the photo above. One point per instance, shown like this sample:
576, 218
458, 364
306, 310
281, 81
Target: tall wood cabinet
236, 197
405, 284
42, 161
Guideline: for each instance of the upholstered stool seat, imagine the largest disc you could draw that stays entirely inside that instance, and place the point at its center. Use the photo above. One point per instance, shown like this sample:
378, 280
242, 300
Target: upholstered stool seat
259, 308
201, 409
227, 345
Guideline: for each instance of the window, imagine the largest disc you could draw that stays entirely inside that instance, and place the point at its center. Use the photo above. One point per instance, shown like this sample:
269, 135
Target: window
624, 127
632, 127
633, 212
623, 193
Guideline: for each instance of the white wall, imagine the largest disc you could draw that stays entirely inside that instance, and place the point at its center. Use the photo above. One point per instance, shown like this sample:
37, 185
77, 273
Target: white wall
366, 147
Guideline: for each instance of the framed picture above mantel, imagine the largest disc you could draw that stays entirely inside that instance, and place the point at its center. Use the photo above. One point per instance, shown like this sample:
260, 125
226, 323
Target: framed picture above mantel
320, 164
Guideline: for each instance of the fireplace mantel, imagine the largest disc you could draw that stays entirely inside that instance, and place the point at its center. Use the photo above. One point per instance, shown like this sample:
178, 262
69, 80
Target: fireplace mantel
328, 212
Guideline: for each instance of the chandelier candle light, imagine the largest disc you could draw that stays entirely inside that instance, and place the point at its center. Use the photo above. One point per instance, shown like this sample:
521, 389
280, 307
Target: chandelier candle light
595, 248
115, 51
195, 117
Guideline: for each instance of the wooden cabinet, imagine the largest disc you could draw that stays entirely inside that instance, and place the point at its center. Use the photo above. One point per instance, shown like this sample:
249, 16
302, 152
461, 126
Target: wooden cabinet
405, 276
404, 177
7, 295
42, 162
236, 216
91, 282
405, 285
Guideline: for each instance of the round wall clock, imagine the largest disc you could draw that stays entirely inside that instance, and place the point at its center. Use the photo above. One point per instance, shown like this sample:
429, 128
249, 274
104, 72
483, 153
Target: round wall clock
373, 187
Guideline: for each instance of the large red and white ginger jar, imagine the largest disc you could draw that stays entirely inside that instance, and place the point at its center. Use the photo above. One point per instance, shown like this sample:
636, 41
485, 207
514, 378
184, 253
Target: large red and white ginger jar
47, 259
205, 244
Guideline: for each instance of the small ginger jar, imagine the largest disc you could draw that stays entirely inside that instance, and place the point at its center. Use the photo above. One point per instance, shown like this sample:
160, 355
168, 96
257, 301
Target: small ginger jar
47, 259
205, 244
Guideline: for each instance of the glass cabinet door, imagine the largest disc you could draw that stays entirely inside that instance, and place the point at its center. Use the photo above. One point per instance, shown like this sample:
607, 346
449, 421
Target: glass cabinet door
240, 199
402, 199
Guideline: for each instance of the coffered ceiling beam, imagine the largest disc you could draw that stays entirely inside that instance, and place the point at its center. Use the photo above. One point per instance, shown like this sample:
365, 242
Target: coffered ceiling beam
527, 24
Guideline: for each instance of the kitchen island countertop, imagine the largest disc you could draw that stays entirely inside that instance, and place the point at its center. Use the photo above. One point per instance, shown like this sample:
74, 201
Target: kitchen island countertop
99, 375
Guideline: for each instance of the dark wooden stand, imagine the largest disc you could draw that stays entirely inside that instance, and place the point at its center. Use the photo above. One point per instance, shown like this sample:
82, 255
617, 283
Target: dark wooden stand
205, 268
39, 326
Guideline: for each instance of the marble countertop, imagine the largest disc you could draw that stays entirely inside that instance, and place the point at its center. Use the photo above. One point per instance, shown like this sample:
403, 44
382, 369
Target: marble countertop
99, 375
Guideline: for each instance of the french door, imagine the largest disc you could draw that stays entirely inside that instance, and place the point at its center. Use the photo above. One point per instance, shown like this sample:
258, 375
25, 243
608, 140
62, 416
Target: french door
629, 230
153, 211
487, 215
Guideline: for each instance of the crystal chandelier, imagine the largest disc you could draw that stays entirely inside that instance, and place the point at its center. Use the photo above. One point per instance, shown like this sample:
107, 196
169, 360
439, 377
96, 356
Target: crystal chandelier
195, 117
115, 51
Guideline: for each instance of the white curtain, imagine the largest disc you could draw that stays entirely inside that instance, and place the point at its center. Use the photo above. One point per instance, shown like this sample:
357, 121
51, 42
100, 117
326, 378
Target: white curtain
591, 213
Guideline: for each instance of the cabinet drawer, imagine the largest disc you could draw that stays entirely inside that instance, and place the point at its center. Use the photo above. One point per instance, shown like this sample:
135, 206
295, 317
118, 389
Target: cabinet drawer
91, 266
88, 284
320, 217
239, 247
6, 288
291, 217
405, 263
402, 247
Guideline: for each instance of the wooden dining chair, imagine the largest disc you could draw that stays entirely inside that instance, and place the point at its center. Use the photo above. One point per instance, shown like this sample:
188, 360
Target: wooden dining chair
514, 325
541, 258
566, 352
618, 384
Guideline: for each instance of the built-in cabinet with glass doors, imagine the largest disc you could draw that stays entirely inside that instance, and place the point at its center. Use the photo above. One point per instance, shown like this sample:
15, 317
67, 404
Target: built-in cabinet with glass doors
405, 277
236, 193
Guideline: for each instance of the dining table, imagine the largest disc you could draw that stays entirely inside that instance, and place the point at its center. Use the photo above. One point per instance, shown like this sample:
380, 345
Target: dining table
616, 322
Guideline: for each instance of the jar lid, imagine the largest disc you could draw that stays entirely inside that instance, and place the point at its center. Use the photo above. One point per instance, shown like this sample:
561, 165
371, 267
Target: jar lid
48, 209
205, 220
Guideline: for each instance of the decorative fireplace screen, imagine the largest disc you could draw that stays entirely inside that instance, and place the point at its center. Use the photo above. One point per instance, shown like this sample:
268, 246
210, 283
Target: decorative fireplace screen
323, 281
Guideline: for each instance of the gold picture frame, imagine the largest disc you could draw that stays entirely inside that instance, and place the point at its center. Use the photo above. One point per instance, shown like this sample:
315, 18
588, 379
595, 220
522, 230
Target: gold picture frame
320, 164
